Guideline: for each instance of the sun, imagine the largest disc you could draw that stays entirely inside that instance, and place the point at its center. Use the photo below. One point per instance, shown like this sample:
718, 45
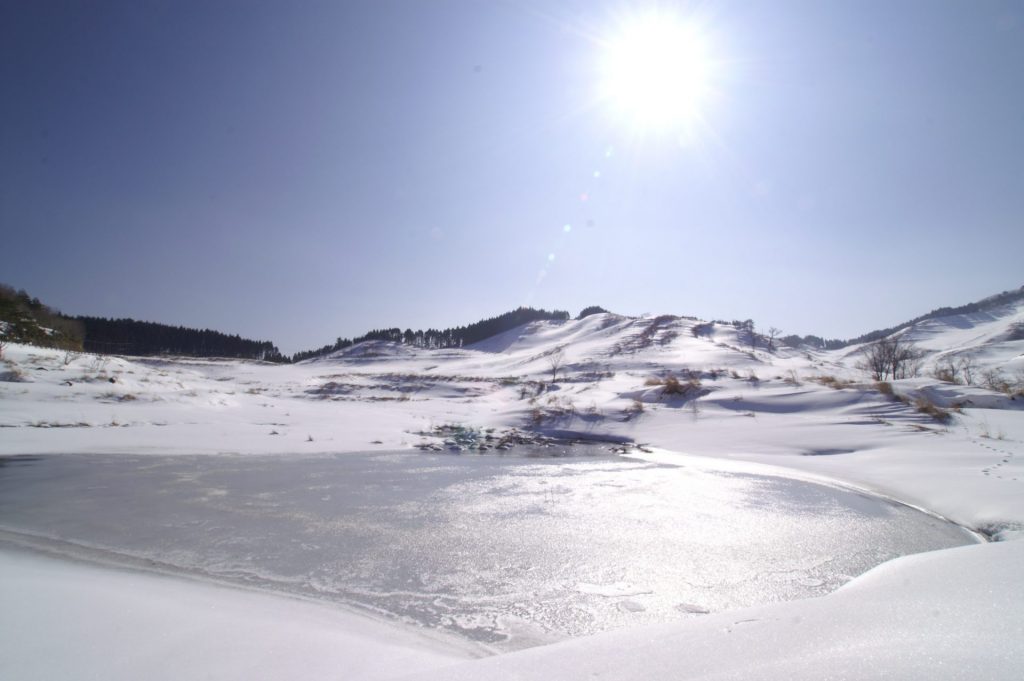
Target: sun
656, 73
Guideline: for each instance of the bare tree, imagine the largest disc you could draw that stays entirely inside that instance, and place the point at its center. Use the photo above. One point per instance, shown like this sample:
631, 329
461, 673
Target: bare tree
960, 371
876, 360
947, 370
911, 359
555, 360
993, 379
968, 369
773, 333
892, 357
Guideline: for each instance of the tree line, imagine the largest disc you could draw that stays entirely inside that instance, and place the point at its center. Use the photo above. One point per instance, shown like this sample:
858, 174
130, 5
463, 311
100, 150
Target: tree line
25, 319
998, 300
455, 337
133, 337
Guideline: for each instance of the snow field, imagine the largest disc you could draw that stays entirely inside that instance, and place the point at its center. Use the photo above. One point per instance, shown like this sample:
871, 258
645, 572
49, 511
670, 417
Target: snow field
951, 614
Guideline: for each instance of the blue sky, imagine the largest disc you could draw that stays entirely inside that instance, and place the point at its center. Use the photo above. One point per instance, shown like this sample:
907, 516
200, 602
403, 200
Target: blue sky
303, 171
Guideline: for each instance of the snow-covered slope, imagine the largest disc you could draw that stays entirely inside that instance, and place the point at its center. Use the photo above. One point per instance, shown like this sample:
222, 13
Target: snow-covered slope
681, 387
724, 398
993, 339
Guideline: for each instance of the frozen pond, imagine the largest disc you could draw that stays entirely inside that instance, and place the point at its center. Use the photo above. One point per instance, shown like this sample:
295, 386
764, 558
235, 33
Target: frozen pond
509, 550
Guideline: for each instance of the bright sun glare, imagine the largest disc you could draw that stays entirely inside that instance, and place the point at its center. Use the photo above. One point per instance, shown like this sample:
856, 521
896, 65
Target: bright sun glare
656, 72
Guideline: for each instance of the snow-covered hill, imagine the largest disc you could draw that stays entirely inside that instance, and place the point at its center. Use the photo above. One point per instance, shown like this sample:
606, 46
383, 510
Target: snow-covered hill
681, 388
668, 382
992, 338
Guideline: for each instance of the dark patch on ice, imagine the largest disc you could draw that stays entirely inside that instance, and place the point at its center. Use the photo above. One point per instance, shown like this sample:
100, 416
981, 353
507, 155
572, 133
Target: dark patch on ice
828, 451
19, 460
692, 608
585, 437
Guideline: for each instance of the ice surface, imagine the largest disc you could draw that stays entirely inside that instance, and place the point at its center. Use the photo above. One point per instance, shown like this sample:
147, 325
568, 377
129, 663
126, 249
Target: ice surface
507, 550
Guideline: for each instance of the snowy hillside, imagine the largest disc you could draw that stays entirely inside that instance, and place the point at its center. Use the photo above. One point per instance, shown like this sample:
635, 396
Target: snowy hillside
993, 339
678, 391
673, 383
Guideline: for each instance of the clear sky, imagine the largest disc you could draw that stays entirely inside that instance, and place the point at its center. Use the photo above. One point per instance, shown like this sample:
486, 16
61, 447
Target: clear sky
302, 171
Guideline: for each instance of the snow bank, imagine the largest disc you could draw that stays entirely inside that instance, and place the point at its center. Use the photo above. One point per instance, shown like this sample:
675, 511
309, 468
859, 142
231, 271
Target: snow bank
953, 614
69, 620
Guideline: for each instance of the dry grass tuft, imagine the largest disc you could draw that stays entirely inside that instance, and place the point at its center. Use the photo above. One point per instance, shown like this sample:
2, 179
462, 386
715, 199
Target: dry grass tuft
926, 406
835, 383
